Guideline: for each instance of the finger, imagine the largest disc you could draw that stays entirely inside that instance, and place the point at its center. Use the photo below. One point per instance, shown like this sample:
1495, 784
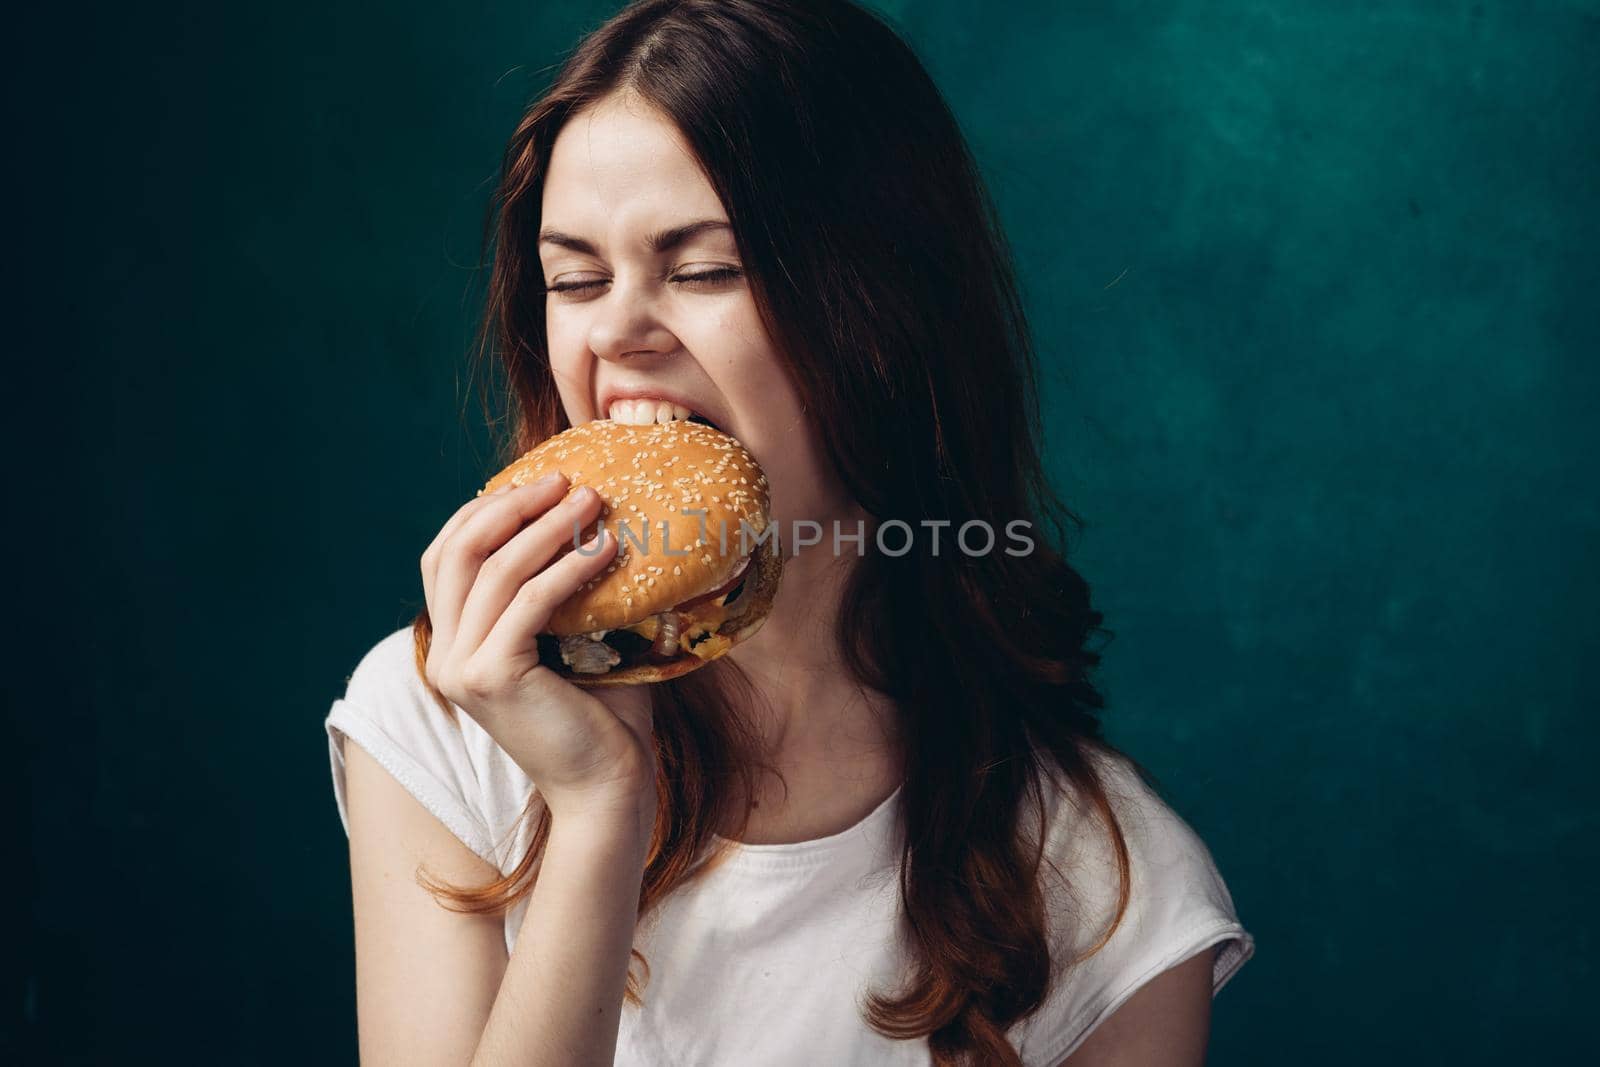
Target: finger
452, 525
513, 640
522, 557
482, 532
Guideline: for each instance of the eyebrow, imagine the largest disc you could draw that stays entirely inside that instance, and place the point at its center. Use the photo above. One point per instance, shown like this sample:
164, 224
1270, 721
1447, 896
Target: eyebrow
664, 241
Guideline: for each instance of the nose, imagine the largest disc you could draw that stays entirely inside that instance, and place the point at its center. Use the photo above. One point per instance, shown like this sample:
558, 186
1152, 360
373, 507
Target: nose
626, 328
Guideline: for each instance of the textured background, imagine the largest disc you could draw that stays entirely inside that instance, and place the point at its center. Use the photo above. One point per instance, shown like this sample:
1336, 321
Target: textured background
1313, 282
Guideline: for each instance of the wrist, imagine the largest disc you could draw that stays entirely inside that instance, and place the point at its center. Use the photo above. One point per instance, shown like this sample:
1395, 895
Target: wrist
604, 828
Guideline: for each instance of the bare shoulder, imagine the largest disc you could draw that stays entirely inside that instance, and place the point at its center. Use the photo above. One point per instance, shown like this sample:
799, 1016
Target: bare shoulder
426, 976
1166, 1023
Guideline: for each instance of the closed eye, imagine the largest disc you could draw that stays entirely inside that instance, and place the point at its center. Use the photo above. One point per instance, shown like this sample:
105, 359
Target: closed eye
709, 277
571, 287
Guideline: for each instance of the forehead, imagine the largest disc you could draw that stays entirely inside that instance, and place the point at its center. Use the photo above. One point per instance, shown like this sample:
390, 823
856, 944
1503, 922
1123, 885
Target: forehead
619, 167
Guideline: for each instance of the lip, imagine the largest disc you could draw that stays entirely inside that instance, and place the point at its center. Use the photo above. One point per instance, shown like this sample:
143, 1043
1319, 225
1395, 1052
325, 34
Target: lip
610, 394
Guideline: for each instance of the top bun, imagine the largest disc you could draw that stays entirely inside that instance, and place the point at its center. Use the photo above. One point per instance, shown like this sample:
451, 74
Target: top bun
647, 477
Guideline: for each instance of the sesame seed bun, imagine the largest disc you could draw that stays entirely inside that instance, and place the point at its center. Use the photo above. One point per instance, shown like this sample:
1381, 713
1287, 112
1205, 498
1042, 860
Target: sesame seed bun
648, 477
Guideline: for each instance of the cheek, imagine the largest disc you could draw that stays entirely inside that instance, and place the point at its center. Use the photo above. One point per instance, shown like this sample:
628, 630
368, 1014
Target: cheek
751, 377
571, 372
792, 455
745, 362
803, 486
564, 336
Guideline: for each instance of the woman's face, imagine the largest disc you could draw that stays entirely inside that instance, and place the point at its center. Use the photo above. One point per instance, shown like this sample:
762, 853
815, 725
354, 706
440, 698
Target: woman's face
674, 321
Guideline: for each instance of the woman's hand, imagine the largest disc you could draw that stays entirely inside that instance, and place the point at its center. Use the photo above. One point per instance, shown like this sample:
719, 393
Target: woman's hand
491, 586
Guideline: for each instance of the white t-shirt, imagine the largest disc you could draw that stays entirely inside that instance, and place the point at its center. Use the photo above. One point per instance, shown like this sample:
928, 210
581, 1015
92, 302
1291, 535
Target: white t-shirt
763, 959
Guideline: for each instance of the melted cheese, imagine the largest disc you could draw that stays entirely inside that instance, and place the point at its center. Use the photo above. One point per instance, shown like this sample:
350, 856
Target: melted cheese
713, 646
707, 618
646, 629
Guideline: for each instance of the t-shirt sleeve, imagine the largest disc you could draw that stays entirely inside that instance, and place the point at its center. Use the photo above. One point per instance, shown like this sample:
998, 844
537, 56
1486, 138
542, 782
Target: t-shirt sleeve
389, 712
1178, 906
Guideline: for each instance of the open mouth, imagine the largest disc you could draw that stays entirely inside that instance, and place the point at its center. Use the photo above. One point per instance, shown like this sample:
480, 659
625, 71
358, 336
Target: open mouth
645, 411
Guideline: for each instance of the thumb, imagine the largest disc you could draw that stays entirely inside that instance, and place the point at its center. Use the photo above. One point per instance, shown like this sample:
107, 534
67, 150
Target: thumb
632, 704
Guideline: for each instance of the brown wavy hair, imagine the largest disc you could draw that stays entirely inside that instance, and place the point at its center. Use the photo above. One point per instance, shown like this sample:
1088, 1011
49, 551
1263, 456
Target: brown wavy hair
879, 266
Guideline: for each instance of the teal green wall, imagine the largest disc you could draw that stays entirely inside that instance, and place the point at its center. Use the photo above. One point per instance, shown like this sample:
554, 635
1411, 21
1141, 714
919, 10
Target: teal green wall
1313, 283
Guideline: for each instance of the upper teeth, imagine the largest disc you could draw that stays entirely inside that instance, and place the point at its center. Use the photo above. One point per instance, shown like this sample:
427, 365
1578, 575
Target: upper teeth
642, 411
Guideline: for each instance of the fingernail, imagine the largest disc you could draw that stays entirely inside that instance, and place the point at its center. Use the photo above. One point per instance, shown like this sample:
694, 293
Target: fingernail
549, 479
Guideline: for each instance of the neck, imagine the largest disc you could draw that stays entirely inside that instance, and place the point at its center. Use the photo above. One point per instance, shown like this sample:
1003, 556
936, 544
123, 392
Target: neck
812, 715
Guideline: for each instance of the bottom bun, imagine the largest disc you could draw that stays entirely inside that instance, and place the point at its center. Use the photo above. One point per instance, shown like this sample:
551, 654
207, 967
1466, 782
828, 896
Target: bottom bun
754, 604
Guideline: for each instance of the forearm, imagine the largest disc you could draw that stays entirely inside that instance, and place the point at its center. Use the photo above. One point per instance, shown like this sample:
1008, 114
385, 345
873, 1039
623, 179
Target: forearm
561, 998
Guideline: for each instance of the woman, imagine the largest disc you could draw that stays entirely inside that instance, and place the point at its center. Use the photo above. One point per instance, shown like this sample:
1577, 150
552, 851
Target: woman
883, 830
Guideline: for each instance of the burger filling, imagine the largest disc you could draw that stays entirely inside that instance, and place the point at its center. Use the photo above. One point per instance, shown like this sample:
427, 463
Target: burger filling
690, 627
585, 655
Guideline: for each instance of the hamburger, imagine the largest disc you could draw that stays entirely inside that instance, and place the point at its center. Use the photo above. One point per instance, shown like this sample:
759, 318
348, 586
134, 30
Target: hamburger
695, 571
